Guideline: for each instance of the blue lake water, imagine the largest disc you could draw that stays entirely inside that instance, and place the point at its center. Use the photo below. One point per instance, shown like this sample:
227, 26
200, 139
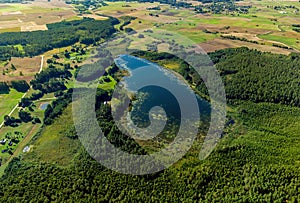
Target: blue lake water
160, 87
44, 106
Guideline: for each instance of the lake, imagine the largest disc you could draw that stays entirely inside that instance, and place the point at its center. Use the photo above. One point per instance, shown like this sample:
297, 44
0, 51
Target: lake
43, 106
153, 86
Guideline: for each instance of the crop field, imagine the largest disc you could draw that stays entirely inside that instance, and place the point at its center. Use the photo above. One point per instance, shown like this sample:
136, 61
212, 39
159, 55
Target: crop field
272, 26
33, 16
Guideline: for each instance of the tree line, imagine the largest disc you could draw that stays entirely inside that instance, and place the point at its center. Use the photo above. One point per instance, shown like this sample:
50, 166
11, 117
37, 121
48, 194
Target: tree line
19, 85
61, 34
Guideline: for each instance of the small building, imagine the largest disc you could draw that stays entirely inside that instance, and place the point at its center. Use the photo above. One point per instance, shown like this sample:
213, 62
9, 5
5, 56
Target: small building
26, 149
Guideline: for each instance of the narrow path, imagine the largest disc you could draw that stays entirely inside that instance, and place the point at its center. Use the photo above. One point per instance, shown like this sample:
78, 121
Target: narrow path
13, 110
47, 99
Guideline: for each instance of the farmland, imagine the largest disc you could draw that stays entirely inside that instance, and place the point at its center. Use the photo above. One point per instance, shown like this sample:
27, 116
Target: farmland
33, 16
266, 28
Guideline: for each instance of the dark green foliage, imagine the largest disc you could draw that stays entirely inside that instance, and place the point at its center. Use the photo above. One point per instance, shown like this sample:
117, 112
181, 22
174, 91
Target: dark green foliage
157, 8
56, 107
25, 102
281, 46
87, 180
256, 161
53, 85
129, 30
25, 116
4, 88
11, 121
48, 74
259, 77
127, 20
51, 80
296, 27
36, 120
238, 38
221, 6
36, 96
58, 35
20, 85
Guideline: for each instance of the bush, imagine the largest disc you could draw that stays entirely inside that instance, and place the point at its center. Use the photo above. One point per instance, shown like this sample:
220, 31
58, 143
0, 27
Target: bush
4, 88
25, 116
20, 85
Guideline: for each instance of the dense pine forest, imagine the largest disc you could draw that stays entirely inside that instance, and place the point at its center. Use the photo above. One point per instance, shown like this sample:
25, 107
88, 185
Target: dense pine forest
86, 31
259, 77
257, 159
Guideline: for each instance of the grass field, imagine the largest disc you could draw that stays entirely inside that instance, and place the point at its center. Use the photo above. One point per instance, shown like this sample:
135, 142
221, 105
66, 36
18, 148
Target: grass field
108, 85
25, 130
53, 145
8, 102
283, 38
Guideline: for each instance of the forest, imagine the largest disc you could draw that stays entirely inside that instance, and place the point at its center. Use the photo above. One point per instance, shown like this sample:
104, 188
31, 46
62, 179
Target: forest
256, 160
61, 34
259, 77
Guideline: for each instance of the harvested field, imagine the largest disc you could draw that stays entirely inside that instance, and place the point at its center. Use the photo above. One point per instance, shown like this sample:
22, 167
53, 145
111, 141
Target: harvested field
25, 69
33, 16
33, 27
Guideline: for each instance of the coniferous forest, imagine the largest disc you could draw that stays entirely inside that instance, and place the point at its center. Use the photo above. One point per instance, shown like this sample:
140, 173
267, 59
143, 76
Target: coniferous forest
86, 31
255, 161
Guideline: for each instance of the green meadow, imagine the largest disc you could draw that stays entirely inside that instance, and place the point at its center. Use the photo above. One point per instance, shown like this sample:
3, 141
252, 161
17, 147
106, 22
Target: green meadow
291, 42
8, 102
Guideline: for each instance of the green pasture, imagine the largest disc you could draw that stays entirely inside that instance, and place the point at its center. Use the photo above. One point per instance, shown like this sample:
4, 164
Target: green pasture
8, 102
53, 144
291, 42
